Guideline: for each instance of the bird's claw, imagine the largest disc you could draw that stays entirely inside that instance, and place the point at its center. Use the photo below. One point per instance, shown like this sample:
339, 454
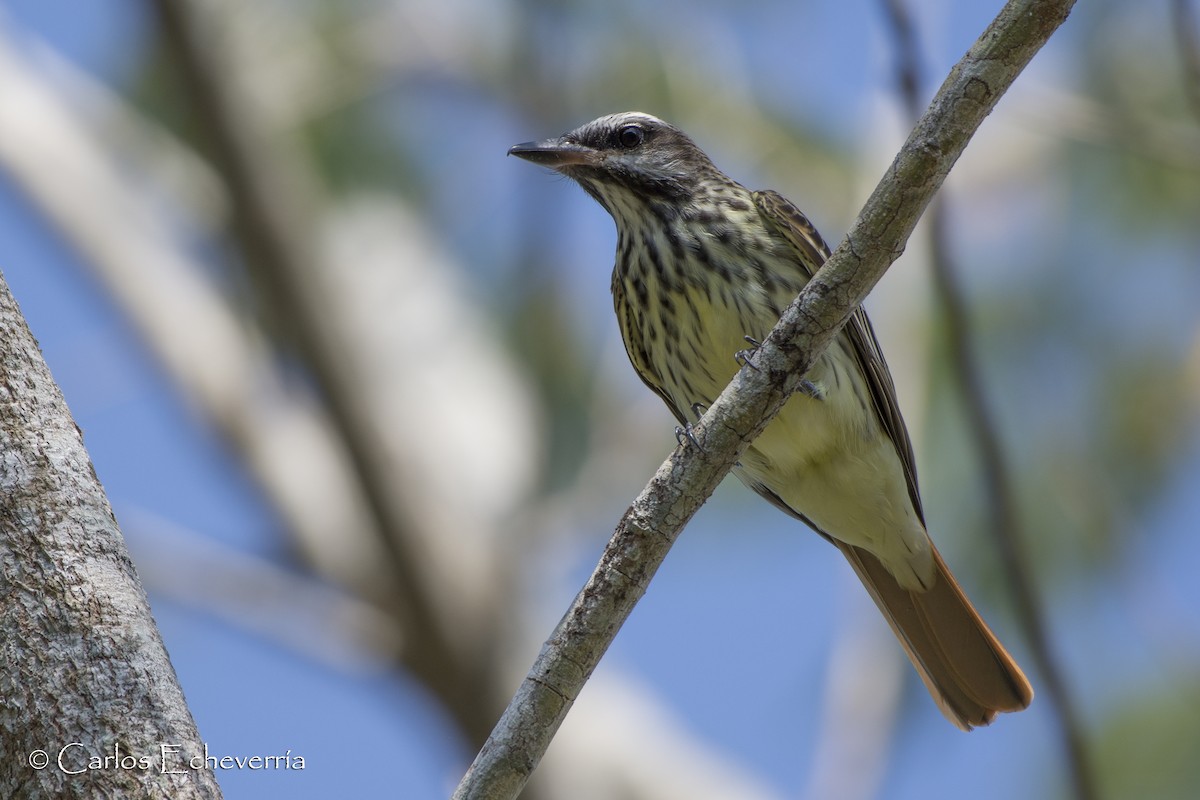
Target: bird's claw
742, 357
810, 389
697, 409
805, 387
686, 432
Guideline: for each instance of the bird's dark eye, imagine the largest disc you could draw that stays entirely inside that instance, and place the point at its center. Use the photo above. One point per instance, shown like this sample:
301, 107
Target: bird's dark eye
631, 136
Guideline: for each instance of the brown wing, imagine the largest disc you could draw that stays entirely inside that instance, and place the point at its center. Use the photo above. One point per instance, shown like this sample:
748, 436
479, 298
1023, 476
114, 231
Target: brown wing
966, 669
811, 251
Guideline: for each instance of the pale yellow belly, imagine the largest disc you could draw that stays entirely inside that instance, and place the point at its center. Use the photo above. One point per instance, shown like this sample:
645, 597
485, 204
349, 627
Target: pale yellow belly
825, 456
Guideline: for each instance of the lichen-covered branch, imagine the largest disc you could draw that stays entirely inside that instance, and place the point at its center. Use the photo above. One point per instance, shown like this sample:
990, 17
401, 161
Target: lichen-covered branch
689, 476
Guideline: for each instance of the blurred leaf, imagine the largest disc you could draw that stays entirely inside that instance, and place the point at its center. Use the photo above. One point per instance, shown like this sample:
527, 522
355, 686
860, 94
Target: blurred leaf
1147, 745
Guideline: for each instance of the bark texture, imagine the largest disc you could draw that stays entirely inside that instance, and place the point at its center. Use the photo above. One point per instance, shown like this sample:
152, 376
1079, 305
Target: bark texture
88, 697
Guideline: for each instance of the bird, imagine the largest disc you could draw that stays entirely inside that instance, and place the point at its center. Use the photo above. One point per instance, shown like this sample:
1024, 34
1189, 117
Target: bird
704, 265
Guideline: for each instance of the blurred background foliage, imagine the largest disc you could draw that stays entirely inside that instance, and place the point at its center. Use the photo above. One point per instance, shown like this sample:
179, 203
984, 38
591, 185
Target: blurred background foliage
1073, 224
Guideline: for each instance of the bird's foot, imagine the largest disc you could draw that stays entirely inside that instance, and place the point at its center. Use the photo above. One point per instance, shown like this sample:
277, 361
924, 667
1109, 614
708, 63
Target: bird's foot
810, 389
805, 387
686, 432
742, 357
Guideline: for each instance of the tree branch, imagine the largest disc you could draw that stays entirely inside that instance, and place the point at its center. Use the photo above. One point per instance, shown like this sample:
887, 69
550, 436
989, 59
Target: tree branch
274, 203
221, 367
690, 474
1183, 20
1005, 527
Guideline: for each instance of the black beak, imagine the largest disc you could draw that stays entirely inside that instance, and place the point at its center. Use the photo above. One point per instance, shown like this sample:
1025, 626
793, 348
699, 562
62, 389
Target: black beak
555, 153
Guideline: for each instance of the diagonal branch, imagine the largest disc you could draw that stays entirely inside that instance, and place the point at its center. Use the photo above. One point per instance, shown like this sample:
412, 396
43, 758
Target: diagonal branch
686, 479
1005, 527
1183, 19
274, 208
121, 234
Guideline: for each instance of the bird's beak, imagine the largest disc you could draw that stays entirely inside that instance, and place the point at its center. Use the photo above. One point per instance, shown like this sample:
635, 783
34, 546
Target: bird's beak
554, 153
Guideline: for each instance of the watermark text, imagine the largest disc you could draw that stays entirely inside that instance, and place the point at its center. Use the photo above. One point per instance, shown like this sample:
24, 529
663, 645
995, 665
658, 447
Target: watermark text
76, 758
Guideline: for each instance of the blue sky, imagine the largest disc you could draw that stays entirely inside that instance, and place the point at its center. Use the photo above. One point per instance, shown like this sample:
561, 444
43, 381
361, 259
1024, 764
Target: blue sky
696, 649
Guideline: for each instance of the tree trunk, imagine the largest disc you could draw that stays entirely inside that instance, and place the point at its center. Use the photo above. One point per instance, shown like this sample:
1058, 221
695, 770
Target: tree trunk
89, 702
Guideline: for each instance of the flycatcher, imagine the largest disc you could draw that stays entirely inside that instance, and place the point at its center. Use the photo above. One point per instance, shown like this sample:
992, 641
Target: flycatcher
703, 263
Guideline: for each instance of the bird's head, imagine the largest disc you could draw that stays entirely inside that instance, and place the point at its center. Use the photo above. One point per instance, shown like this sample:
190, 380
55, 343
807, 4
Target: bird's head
625, 158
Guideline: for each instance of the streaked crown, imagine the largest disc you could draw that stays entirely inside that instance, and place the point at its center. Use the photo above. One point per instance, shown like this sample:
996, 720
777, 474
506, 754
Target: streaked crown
622, 158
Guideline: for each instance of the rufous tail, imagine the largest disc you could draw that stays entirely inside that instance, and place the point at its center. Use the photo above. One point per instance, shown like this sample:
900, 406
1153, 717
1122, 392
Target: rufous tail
966, 669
